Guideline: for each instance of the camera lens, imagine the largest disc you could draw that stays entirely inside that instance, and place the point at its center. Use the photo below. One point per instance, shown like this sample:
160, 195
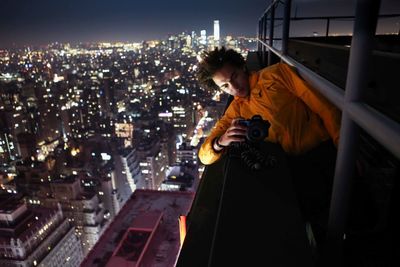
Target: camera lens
255, 133
257, 128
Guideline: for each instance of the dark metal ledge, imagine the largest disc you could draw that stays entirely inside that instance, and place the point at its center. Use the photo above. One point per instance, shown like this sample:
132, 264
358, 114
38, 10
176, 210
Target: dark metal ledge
249, 216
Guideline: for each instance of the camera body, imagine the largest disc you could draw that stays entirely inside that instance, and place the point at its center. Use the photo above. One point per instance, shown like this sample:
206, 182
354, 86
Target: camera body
257, 128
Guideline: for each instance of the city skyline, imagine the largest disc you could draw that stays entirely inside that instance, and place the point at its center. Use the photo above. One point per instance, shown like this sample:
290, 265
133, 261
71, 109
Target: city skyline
115, 118
127, 21
39, 23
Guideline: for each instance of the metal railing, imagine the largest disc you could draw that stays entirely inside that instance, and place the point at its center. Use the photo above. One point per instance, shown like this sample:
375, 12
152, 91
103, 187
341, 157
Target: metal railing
356, 114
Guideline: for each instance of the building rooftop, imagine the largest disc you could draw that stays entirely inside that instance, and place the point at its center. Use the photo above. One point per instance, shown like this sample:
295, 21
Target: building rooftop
25, 222
150, 217
133, 247
9, 203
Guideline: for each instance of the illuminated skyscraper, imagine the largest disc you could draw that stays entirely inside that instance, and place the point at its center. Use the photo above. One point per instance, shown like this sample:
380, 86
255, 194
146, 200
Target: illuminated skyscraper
153, 162
194, 39
216, 33
203, 37
36, 236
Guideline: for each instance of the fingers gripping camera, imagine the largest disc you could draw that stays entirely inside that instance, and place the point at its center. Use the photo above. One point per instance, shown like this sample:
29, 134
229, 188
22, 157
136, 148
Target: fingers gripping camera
257, 128
257, 131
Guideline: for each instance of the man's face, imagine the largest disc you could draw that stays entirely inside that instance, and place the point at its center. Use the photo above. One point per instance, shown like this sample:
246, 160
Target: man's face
232, 80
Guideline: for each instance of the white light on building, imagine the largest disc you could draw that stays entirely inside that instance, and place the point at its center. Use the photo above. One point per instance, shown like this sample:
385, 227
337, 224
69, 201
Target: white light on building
203, 37
216, 32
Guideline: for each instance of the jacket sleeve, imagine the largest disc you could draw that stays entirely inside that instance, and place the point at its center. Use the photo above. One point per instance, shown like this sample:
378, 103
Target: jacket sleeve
329, 113
207, 154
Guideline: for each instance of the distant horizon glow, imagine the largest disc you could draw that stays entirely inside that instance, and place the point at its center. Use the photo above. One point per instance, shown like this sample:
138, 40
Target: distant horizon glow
38, 23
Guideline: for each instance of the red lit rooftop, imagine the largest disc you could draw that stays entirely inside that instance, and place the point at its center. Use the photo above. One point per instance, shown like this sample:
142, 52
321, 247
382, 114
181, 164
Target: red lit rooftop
144, 233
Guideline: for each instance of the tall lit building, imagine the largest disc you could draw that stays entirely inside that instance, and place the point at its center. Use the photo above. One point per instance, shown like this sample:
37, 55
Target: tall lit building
106, 192
8, 149
153, 162
203, 37
83, 209
107, 100
182, 119
129, 166
124, 132
194, 39
49, 124
188, 41
186, 154
216, 33
36, 237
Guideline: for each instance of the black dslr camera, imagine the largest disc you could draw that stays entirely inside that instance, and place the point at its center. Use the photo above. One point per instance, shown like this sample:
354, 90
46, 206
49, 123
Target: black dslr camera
257, 128
257, 131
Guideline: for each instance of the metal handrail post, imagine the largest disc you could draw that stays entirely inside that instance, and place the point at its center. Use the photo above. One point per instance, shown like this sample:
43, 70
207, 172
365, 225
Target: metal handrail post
264, 57
327, 27
271, 33
259, 35
286, 25
360, 58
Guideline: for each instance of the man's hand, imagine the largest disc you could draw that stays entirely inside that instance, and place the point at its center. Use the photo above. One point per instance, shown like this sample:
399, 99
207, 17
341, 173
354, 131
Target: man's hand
235, 133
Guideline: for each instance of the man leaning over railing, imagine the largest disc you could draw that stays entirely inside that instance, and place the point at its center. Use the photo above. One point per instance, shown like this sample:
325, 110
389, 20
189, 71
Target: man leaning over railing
302, 122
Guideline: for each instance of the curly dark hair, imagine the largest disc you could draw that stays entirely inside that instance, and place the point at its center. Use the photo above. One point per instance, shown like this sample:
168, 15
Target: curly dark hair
213, 61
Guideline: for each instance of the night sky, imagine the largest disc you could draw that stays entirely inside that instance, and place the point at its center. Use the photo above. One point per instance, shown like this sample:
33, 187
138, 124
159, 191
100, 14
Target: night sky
24, 22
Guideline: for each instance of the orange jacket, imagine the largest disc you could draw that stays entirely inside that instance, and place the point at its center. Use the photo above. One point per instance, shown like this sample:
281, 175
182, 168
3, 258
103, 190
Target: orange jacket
300, 117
